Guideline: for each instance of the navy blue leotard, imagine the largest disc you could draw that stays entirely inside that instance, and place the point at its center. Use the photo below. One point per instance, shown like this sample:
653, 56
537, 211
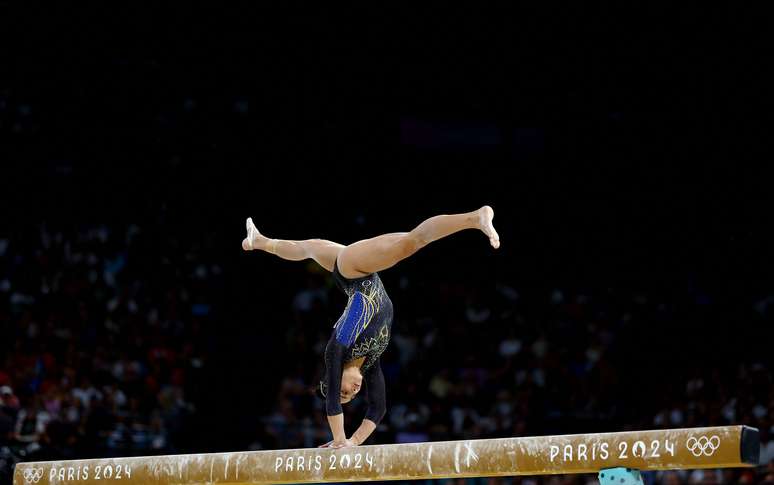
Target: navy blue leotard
363, 330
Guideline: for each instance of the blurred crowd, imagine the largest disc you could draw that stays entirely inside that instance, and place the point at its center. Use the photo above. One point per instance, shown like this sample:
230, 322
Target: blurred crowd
97, 357
105, 343
466, 362
116, 336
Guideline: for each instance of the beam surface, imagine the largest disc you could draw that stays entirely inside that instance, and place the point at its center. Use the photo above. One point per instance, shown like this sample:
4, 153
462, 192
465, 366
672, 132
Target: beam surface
716, 447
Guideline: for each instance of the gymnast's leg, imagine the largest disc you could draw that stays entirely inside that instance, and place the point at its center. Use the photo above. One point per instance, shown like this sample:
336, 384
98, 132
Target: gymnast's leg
382, 252
322, 251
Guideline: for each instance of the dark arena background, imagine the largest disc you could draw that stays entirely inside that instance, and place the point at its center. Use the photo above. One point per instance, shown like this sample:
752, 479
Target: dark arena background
624, 149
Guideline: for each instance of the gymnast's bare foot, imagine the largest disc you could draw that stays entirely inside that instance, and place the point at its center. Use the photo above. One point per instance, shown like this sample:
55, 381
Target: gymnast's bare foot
485, 216
254, 239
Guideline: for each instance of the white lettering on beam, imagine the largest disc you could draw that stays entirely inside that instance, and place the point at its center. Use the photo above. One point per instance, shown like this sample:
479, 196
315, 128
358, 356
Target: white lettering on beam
307, 463
567, 452
582, 452
554, 452
570, 453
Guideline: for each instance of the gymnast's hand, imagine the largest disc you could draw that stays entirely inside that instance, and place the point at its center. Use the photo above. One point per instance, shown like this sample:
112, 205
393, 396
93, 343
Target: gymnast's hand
339, 444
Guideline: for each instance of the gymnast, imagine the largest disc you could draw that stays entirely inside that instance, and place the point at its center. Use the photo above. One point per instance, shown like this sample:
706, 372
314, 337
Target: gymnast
362, 332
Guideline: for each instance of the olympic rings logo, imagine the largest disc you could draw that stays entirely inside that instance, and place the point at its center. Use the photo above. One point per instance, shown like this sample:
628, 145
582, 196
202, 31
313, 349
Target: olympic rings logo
33, 475
703, 445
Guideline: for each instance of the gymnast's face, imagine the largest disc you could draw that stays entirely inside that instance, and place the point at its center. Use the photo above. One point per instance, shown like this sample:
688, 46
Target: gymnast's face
351, 380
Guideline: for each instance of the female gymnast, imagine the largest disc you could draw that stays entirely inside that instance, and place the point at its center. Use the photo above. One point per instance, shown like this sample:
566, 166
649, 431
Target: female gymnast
362, 332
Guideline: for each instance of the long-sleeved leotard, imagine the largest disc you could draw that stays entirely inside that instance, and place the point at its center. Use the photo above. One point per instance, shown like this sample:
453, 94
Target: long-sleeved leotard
363, 330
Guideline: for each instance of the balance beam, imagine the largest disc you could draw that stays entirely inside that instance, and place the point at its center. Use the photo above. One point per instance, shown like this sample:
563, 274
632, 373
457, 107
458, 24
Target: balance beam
671, 449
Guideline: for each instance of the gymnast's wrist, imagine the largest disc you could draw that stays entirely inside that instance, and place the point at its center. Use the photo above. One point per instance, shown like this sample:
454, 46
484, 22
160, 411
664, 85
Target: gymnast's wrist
339, 436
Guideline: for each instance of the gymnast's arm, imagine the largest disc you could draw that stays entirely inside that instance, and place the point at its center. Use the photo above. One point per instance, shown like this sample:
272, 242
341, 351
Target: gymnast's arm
334, 358
376, 397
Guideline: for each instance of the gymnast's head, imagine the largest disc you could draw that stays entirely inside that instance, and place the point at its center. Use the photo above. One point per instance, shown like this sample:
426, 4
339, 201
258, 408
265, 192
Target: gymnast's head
351, 382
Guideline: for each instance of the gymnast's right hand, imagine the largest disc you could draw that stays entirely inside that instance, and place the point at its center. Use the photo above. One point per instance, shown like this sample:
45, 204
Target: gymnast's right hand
339, 444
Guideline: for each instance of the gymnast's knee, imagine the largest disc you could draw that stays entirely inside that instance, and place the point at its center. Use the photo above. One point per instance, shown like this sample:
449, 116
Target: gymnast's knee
409, 244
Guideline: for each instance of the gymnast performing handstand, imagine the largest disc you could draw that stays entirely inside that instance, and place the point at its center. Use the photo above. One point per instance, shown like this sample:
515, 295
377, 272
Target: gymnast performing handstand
362, 332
